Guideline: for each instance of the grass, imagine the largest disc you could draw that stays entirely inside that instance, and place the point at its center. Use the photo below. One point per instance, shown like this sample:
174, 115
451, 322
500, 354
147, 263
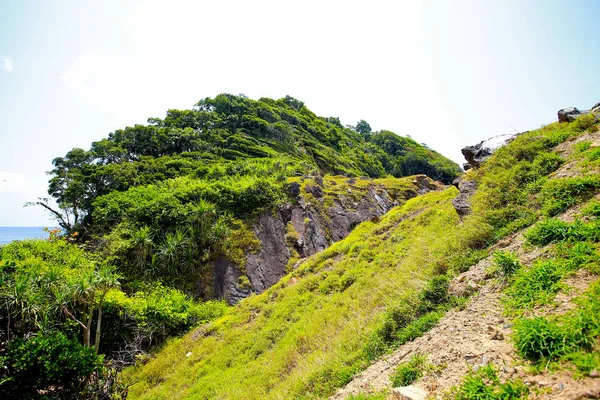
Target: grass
409, 372
506, 262
485, 384
560, 194
348, 305
572, 336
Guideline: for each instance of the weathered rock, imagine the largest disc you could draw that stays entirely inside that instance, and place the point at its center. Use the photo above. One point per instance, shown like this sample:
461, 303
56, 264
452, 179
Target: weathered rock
569, 114
315, 191
314, 227
294, 189
480, 152
268, 265
462, 202
227, 282
409, 393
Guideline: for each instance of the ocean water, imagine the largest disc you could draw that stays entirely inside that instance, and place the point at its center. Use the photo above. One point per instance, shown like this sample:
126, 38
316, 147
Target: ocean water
10, 233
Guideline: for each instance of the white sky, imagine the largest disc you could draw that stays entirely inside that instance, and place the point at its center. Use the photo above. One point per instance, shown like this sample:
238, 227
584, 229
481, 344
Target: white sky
448, 73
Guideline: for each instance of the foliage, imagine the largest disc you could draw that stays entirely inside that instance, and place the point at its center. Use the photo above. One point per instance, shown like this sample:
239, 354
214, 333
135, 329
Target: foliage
485, 384
506, 262
222, 137
409, 371
51, 364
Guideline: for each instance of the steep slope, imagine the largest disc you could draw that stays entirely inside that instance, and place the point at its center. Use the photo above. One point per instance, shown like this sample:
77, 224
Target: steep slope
533, 326
382, 286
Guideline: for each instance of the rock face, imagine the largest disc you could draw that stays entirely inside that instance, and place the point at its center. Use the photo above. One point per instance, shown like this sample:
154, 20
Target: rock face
324, 212
480, 152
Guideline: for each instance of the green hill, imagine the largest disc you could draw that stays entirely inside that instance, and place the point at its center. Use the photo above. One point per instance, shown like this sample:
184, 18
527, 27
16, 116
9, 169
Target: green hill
380, 287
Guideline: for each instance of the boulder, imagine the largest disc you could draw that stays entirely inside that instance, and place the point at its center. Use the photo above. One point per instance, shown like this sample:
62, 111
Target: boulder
462, 202
478, 153
294, 189
409, 393
569, 114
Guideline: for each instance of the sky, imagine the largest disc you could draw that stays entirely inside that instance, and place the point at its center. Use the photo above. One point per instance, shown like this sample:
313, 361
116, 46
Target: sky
447, 73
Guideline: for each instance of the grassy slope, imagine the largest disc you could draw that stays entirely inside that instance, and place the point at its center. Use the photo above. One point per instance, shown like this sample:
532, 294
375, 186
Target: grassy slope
312, 331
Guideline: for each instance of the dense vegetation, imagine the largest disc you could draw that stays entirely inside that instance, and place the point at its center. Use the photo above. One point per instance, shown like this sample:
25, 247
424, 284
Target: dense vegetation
62, 310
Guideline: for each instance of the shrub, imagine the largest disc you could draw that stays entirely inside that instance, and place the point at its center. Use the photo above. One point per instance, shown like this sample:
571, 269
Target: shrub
506, 262
410, 371
50, 363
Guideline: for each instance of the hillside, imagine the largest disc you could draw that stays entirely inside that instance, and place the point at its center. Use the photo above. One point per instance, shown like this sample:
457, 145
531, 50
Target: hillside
186, 199
392, 280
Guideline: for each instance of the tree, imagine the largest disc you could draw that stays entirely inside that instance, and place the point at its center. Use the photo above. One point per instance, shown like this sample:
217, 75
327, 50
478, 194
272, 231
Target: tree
363, 127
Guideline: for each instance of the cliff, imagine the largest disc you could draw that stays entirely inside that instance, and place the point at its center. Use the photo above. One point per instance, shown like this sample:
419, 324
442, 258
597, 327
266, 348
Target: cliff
322, 211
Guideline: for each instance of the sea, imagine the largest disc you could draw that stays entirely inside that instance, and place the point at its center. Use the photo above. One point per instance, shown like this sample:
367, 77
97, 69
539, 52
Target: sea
10, 233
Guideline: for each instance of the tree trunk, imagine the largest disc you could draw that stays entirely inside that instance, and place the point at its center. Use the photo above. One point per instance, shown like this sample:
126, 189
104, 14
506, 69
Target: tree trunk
98, 323
88, 329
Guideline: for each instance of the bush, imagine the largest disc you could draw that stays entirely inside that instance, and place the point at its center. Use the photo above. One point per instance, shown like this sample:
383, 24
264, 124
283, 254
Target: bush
52, 364
506, 262
410, 371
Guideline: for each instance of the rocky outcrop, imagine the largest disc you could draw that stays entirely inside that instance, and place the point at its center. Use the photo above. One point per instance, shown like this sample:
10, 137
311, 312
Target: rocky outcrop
569, 114
462, 202
478, 153
321, 211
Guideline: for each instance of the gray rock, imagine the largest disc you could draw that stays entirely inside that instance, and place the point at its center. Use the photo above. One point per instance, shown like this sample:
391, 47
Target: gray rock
226, 282
268, 265
315, 191
319, 180
409, 393
462, 202
569, 114
478, 153
294, 189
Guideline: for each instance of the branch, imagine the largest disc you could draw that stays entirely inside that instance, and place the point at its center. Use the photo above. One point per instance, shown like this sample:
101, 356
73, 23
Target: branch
73, 318
44, 203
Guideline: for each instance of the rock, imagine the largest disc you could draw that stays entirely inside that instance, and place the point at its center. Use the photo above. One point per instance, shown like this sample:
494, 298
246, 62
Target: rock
315, 191
594, 374
294, 189
267, 266
497, 335
462, 202
569, 114
478, 153
319, 180
409, 393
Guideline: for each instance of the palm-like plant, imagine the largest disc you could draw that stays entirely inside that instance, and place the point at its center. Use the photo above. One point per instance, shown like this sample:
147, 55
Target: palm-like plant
143, 246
